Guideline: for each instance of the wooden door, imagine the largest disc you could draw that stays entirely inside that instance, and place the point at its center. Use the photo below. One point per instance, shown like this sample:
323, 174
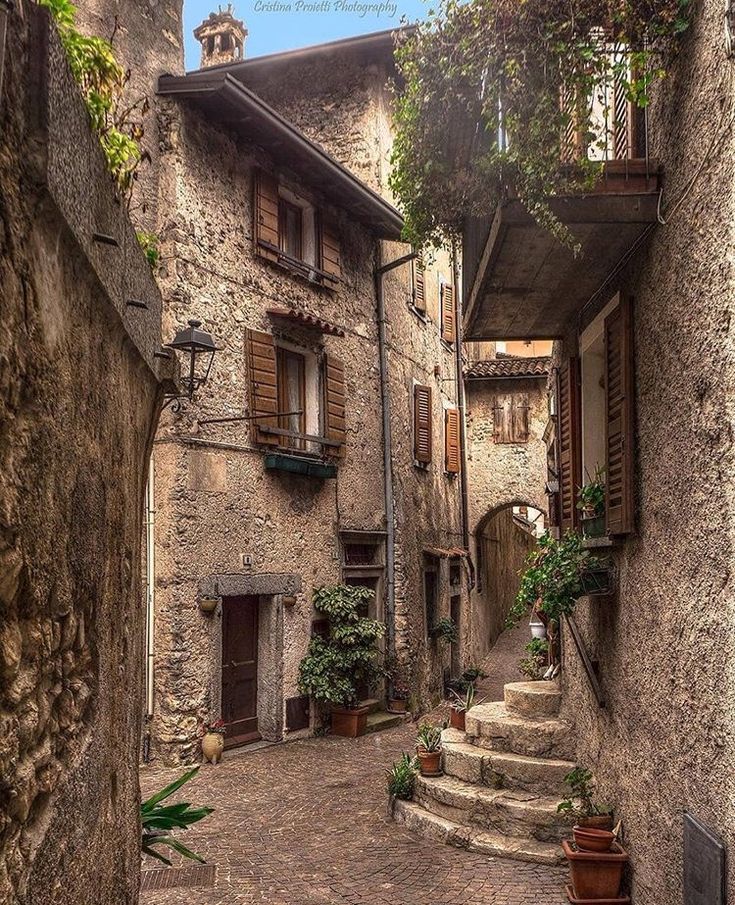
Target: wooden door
367, 610
240, 669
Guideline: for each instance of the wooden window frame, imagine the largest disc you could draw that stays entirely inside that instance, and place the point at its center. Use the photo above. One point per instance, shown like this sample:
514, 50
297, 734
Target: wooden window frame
517, 433
284, 208
283, 355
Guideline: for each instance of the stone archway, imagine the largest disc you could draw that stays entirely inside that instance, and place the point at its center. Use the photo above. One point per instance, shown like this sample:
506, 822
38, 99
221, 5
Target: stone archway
502, 540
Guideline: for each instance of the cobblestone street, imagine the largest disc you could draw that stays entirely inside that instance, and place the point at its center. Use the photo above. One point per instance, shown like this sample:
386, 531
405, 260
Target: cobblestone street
305, 823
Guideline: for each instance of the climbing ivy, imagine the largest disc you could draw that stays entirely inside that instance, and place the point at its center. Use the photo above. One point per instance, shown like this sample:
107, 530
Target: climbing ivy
478, 101
102, 81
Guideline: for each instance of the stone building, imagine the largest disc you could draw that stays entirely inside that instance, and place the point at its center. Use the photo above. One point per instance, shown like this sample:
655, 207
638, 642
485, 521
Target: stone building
507, 414
80, 392
643, 375
277, 222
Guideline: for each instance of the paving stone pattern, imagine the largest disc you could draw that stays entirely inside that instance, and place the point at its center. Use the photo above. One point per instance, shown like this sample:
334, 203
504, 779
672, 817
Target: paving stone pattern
305, 823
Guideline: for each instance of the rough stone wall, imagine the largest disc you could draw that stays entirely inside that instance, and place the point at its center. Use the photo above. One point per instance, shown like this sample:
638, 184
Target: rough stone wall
500, 475
78, 401
664, 743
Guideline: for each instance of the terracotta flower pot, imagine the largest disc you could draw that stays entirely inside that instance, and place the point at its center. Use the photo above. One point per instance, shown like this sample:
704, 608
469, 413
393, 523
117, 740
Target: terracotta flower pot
598, 822
429, 762
456, 718
397, 705
592, 840
349, 722
596, 875
618, 900
213, 744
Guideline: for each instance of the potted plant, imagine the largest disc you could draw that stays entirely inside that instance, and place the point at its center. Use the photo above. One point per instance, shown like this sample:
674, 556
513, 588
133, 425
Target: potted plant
580, 803
591, 503
213, 741
445, 630
429, 749
398, 690
536, 661
337, 663
596, 875
402, 777
460, 705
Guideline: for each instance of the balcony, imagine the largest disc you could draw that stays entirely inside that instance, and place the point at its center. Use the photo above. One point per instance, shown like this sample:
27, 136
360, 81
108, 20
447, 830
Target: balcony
521, 282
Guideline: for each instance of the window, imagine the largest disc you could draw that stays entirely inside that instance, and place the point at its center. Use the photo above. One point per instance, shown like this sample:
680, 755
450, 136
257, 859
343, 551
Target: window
291, 383
418, 279
431, 589
447, 312
422, 424
225, 41
511, 418
452, 457
290, 229
295, 391
291, 232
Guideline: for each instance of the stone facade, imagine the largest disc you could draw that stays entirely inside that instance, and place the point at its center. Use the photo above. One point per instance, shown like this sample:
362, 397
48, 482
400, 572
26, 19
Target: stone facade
79, 398
214, 500
663, 745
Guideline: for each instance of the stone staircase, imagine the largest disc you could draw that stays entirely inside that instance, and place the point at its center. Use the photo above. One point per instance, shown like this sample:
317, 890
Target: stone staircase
503, 779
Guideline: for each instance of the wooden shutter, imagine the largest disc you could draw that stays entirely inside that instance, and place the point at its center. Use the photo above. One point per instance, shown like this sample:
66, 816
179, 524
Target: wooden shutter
502, 418
261, 363
452, 458
519, 418
419, 285
619, 400
422, 424
569, 442
335, 426
329, 253
265, 206
447, 306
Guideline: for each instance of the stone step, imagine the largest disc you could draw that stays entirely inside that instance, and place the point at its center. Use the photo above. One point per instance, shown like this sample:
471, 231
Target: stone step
503, 769
534, 700
493, 726
508, 812
381, 719
431, 826
373, 704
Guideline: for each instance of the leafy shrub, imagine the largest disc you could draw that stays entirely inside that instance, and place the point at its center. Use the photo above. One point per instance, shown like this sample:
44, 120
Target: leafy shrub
333, 666
402, 777
158, 820
580, 802
534, 664
446, 630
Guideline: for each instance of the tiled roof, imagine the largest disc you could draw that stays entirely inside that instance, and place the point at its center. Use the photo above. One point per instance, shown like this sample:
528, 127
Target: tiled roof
501, 368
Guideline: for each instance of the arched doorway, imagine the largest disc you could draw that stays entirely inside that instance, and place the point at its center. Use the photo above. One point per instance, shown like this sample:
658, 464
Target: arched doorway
502, 540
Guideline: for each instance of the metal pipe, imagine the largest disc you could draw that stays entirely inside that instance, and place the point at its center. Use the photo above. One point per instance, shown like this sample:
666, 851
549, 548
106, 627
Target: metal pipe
464, 492
390, 548
150, 562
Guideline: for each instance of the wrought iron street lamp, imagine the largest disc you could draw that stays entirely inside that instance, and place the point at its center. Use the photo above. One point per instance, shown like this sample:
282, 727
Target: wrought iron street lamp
200, 348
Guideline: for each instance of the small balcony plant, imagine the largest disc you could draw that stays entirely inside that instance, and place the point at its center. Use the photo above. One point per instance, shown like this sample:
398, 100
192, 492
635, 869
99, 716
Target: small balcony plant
591, 503
429, 749
334, 666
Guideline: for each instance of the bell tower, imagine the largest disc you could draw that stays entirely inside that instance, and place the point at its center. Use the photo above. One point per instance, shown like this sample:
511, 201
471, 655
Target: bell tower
222, 37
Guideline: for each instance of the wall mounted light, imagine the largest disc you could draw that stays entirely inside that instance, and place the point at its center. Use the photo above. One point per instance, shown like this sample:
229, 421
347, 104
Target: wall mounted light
198, 346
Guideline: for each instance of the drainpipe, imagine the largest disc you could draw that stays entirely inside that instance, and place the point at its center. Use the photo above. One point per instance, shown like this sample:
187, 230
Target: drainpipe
390, 551
464, 492
150, 599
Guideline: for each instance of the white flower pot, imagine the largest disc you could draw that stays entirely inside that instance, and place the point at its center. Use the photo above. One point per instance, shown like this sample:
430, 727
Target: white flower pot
538, 629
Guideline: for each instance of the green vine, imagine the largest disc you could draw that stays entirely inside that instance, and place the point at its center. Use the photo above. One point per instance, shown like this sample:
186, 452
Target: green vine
479, 110
150, 243
102, 81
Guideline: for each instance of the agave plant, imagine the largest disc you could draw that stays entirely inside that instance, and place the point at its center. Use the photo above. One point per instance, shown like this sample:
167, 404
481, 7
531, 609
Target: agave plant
158, 820
462, 703
429, 738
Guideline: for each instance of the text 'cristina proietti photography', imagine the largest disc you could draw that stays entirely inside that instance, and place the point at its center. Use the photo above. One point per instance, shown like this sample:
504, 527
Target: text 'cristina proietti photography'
366, 452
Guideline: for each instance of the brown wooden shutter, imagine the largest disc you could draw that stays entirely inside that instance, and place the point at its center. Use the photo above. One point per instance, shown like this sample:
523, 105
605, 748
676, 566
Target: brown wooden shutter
519, 418
447, 306
261, 363
619, 425
422, 428
330, 259
265, 206
569, 443
502, 418
452, 458
335, 426
419, 285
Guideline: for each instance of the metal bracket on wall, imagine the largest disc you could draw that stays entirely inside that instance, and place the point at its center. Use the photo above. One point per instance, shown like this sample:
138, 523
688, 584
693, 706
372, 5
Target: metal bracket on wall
586, 660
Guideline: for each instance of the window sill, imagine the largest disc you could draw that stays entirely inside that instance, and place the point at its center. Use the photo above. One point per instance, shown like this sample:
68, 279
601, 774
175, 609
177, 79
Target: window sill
305, 271
301, 465
600, 543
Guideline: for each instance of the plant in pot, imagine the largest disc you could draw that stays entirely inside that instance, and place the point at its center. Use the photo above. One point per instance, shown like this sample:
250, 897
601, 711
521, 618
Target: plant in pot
213, 741
402, 777
536, 661
591, 503
460, 705
445, 630
429, 749
580, 803
335, 665
398, 688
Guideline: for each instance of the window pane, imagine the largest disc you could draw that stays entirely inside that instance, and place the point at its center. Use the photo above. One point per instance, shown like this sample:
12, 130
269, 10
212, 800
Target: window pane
291, 395
290, 229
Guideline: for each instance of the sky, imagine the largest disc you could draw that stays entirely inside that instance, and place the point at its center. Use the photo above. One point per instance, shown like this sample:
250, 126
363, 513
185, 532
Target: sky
275, 25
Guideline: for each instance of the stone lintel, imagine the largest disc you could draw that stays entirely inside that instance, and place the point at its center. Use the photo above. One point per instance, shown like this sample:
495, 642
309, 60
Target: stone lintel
236, 584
